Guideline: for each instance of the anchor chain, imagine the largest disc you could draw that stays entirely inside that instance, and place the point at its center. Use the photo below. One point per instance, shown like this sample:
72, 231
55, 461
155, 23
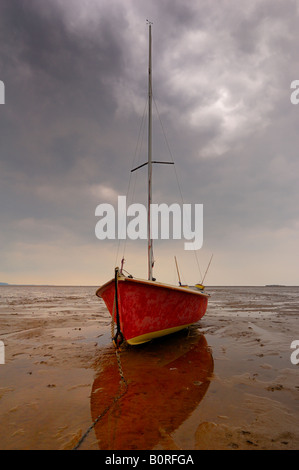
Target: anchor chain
123, 385
117, 341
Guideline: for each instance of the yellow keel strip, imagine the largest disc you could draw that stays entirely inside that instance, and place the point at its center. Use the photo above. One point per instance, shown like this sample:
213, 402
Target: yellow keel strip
155, 334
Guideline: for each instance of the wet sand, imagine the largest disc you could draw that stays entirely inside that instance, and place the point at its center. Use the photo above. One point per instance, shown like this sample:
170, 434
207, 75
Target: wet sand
226, 383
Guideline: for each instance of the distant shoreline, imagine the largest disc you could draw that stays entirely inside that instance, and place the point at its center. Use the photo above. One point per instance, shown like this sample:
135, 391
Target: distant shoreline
276, 285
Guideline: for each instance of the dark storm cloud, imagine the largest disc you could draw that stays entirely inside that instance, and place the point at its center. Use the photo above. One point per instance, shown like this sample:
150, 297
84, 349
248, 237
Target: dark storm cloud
52, 73
59, 104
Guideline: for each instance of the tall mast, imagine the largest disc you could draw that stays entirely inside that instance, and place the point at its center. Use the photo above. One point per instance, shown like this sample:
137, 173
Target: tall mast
150, 99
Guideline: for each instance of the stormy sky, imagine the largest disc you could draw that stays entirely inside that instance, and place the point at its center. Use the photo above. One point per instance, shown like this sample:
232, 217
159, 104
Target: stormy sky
75, 76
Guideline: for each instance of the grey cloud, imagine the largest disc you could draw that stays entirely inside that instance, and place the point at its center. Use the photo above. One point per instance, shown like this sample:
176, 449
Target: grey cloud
75, 92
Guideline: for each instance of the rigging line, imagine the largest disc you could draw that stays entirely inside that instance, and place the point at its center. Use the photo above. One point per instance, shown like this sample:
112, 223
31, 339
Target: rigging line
137, 151
140, 140
169, 149
176, 175
207, 269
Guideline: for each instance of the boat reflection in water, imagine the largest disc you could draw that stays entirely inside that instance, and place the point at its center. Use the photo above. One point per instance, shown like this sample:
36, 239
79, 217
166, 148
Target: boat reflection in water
166, 380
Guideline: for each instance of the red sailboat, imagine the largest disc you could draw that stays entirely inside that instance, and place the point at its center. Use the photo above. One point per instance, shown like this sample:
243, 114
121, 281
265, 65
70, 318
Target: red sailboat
146, 309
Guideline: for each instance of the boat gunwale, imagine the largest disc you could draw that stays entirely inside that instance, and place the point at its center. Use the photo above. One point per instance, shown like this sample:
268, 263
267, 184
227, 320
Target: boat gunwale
187, 290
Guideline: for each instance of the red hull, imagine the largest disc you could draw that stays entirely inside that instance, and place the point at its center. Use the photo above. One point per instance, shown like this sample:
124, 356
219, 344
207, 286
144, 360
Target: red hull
150, 309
